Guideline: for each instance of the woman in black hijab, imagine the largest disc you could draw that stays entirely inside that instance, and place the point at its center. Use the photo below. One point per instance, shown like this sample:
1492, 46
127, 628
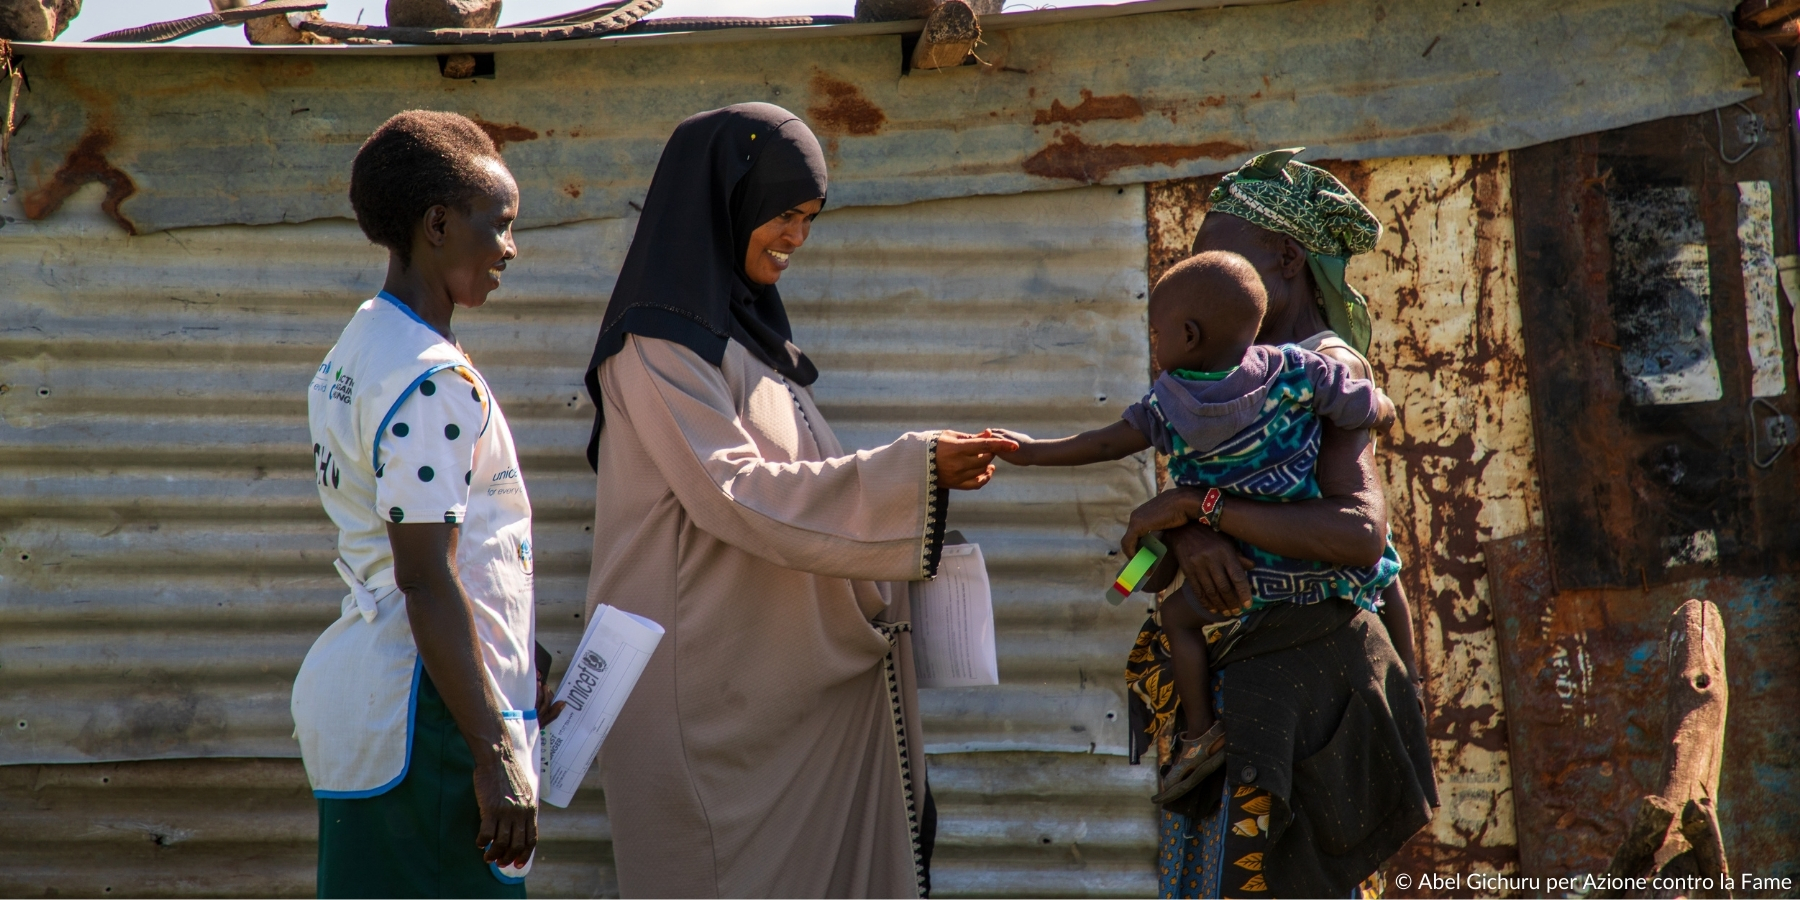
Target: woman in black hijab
771, 746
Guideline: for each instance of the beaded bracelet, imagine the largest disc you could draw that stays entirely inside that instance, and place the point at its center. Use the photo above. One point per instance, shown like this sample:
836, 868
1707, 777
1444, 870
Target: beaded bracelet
1212, 506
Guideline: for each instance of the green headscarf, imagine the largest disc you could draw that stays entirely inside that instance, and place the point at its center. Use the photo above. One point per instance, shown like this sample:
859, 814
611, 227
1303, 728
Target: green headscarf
1311, 206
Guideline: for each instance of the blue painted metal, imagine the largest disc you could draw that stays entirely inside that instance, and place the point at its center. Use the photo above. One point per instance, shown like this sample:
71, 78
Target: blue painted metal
1586, 686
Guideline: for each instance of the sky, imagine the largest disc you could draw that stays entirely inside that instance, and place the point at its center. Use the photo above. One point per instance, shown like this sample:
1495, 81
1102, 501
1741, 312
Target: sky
101, 16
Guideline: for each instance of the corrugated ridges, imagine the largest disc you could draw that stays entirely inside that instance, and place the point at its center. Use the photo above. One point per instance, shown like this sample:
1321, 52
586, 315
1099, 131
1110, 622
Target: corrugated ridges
166, 562
1012, 824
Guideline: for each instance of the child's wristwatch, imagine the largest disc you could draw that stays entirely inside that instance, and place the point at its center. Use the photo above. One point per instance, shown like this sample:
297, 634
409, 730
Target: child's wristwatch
1212, 506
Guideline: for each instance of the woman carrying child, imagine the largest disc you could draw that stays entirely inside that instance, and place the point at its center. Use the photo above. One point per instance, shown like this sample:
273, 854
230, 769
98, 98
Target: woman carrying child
417, 710
1316, 769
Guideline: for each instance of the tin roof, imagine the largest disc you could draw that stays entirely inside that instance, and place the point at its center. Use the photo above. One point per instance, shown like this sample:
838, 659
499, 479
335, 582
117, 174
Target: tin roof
1113, 95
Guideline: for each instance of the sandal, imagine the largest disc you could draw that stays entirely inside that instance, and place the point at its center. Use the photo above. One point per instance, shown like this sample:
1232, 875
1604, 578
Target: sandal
1199, 757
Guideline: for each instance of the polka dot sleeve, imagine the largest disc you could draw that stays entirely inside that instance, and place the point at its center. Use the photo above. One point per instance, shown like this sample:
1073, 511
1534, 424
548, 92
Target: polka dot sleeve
428, 452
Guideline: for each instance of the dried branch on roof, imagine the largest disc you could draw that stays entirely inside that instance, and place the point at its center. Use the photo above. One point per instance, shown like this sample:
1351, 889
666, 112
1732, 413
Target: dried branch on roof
617, 19
666, 24
178, 28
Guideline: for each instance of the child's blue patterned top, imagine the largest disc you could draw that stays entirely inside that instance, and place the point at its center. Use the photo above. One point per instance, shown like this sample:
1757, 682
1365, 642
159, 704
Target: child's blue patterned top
1270, 455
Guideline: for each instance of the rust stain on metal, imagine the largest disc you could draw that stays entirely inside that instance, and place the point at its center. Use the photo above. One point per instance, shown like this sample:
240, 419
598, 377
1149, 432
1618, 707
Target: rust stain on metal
1117, 106
1586, 680
1460, 469
840, 107
1073, 159
504, 134
1173, 210
86, 163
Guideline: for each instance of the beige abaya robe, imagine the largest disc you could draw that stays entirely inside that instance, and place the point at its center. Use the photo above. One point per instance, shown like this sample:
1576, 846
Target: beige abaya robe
762, 753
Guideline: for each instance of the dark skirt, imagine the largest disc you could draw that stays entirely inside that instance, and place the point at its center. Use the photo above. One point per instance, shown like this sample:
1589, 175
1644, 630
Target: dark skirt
1328, 769
418, 839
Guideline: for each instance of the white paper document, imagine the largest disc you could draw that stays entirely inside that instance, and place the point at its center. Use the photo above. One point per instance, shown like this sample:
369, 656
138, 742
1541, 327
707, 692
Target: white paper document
606, 667
953, 622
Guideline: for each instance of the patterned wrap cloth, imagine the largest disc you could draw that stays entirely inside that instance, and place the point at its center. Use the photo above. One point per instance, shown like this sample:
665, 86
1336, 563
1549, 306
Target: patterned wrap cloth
1272, 458
1310, 205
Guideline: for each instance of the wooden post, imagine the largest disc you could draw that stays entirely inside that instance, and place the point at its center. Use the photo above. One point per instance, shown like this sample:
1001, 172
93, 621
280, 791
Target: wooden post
1763, 13
1676, 830
951, 33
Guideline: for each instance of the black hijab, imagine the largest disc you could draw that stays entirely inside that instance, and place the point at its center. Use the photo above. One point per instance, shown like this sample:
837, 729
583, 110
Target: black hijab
722, 175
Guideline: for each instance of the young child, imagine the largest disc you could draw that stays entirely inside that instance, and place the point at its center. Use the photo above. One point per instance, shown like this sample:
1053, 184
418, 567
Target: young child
1243, 420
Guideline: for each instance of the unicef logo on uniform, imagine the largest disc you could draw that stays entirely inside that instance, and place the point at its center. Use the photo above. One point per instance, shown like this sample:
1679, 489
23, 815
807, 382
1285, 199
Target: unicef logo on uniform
593, 661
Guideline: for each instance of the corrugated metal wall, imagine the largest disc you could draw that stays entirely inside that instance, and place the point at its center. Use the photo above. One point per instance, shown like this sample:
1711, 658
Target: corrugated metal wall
1013, 825
1458, 469
164, 563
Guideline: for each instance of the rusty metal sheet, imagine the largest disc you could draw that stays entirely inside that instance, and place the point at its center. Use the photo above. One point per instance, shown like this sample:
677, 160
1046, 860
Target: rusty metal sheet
1762, 309
1651, 386
1458, 469
1662, 295
1586, 686
200, 138
1010, 824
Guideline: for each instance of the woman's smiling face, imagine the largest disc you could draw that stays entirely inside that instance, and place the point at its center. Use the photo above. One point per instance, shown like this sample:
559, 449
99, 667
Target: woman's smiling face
773, 241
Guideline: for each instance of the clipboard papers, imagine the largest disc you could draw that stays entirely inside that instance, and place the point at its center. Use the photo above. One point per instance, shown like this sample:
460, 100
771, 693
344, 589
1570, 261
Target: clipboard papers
606, 667
953, 621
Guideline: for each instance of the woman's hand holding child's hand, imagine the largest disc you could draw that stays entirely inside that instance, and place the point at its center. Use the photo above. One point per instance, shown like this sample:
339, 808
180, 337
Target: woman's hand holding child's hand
965, 462
1023, 456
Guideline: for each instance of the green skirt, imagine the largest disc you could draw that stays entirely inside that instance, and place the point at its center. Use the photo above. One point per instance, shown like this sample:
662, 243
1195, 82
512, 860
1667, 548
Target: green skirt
418, 839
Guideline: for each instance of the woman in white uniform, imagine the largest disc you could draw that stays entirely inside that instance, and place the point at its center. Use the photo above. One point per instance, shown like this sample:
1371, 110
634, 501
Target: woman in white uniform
416, 710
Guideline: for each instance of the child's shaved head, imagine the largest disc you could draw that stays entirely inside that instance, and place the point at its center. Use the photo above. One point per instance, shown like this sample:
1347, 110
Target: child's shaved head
1205, 312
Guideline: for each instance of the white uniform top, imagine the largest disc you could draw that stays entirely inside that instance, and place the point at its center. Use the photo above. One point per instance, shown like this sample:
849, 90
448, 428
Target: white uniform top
405, 430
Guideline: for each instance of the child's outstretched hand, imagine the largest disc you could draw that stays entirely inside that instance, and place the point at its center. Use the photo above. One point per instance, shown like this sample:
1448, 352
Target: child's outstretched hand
1023, 455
